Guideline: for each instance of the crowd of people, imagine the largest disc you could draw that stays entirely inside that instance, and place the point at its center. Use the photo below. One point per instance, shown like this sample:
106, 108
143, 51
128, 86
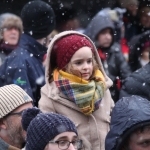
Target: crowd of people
67, 88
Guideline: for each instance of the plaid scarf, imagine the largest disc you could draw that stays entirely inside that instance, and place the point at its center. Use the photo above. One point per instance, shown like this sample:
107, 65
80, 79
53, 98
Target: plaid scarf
87, 95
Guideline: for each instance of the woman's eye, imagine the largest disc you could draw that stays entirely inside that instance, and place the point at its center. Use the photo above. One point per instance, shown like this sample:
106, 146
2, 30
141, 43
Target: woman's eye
62, 142
145, 144
78, 63
89, 61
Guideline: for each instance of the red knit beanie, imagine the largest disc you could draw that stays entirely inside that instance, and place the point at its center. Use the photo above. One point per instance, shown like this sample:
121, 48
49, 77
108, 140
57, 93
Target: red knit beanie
65, 47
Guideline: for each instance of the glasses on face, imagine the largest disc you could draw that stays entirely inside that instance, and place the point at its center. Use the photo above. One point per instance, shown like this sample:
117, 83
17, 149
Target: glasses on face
64, 144
17, 113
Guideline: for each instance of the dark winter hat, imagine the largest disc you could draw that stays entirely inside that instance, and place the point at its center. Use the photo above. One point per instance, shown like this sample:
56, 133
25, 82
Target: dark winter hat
64, 49
43, 127
38, 19
128, 115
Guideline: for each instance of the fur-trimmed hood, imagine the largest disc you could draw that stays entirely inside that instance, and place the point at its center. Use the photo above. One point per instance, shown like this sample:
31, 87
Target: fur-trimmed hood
50, 47
8, 20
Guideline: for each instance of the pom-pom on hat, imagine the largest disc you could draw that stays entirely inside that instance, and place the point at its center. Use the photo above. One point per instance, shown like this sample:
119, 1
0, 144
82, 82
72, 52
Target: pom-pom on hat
43, 127
65, 47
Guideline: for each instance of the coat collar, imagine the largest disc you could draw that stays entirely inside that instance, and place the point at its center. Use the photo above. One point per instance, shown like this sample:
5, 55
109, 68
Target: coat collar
32, 46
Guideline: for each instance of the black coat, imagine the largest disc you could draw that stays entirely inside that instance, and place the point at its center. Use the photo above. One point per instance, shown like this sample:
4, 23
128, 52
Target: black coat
116, 68
24, 67
129, 114
138, 83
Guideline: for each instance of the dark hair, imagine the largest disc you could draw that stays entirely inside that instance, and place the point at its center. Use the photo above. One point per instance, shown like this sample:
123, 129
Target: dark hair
125, 143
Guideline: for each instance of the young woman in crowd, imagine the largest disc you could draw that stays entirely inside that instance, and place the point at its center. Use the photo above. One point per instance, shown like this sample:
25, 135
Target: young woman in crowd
77, 87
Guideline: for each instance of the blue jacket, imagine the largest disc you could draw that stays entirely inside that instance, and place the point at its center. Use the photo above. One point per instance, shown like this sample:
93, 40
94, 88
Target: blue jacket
129, 114
24, 67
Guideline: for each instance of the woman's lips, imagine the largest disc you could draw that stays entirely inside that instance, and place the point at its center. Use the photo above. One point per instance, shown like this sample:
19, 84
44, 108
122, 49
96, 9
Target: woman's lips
85, 74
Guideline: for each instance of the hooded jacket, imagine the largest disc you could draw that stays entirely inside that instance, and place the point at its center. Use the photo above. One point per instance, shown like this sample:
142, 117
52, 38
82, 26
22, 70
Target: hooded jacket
5, 146
93, 128
97, 24
115, 64
129, 114
138, 83
24, 67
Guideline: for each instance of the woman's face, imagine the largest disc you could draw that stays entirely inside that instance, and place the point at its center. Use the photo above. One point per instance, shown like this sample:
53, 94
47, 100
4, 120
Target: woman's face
11, 36
82, 61
145, 20
66, 136
145, 54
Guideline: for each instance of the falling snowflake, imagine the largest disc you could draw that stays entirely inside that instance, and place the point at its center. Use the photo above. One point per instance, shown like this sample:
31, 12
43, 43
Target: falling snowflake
31, 32
31, 55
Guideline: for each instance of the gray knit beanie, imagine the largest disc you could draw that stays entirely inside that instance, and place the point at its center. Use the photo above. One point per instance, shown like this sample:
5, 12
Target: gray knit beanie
43, 127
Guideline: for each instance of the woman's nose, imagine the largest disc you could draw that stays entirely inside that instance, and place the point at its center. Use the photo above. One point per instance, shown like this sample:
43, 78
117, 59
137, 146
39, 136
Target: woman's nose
85, 66
71, 147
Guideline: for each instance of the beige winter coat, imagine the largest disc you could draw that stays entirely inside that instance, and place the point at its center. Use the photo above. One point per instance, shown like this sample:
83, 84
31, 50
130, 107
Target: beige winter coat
92, 129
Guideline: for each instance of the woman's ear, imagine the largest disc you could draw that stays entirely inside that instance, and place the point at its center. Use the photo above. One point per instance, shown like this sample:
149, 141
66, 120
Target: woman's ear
2, 124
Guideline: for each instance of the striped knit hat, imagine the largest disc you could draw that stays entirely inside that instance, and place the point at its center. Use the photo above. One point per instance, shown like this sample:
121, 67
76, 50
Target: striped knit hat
11, 97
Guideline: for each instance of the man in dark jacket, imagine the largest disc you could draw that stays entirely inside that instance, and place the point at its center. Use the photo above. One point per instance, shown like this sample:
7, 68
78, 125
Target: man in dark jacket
101, 31
130, 125
24, 65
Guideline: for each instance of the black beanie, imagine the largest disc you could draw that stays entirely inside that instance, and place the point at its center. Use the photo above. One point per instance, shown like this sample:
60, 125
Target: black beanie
38, 19
43, 127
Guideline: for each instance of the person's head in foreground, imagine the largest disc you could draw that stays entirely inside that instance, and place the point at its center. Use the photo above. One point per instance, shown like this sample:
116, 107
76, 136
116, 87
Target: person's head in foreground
130, 125
13, 101
49, 131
